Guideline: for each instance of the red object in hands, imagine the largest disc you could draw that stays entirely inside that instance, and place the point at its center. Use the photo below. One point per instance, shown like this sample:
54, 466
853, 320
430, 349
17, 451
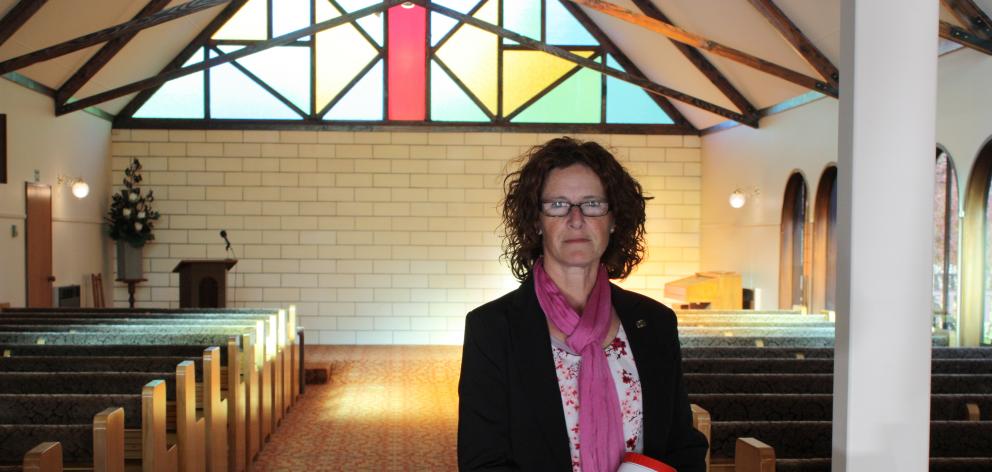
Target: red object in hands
634, 462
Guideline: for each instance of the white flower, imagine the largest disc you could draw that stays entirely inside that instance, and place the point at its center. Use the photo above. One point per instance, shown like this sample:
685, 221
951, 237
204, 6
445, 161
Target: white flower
141, 215
138, 226
126, 212
133, 197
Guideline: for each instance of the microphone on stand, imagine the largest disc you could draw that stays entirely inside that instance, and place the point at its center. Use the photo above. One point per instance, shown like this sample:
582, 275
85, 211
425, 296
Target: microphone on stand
223, 234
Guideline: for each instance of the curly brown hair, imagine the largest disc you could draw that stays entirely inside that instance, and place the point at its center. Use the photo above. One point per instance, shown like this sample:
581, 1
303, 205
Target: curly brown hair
522, 244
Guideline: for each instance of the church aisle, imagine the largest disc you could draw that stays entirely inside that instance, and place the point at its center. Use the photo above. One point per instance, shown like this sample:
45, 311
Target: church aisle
385, 408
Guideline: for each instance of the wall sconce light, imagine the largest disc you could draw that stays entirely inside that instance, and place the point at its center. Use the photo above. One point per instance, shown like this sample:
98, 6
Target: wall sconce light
739, 197
80, 189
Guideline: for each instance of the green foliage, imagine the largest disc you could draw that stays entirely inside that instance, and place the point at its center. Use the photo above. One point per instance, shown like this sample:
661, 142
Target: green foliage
131, 217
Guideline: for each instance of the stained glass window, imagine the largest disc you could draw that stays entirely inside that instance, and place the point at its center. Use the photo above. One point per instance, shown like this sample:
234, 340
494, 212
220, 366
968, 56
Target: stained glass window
405, 63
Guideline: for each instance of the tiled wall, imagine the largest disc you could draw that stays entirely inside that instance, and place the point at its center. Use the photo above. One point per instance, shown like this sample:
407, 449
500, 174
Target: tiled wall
378, 237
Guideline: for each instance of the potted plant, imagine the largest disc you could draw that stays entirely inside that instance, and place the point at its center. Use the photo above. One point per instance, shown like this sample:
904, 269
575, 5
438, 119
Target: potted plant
130, 220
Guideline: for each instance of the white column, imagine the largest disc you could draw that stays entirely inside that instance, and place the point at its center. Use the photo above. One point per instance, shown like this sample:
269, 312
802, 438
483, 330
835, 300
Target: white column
884, 234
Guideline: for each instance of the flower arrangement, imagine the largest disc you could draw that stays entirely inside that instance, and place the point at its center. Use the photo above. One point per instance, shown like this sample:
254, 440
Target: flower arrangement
130, 218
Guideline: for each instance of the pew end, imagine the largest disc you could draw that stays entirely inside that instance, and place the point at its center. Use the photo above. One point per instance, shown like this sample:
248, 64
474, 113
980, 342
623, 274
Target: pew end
156, 455
108, 440
702, 422
190, 428
45, 457
973, 412
752, 455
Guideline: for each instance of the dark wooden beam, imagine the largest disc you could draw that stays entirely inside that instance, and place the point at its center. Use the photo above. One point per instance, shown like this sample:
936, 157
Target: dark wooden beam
184, 55
411, 126
107, 34
964, 38
797, 39
622, 58
17, 16
699, 60
700, 42
38, 87
972, 16
597, 66
103, 56
216, 61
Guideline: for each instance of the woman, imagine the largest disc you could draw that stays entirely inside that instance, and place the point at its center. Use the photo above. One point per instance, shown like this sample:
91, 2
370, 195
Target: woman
574, 218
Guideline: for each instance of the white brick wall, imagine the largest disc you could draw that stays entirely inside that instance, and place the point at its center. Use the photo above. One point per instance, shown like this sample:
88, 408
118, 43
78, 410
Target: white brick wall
378, 237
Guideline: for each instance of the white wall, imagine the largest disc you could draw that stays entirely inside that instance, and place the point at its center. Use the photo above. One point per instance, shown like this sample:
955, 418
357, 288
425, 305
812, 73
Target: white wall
805, 139
74, 145
378, 237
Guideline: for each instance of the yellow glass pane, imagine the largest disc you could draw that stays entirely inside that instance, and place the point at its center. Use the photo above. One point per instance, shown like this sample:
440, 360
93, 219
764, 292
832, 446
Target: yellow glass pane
526, 73
488, 12
342, 52
472, 55
250, 22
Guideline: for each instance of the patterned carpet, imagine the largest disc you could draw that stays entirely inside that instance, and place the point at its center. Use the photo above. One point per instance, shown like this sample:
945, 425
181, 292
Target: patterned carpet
385, 408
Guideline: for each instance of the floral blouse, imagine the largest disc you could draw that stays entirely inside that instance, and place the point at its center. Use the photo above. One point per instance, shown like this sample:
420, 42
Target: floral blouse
626, 380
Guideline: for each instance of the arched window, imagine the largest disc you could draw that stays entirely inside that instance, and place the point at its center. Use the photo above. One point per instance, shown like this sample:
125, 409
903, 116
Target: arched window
974, 322
792, 261
825, 242
945, 243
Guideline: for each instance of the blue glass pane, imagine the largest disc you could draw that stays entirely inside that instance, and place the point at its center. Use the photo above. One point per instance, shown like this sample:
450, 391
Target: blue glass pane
522, 17
372, 24
442, 24
289, 16
628, 103
234, 95
448, 101
563, 28
286, 69
363, 101
178, 98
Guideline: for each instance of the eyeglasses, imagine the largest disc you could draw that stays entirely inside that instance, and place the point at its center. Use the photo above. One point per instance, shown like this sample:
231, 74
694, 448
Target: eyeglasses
560, 208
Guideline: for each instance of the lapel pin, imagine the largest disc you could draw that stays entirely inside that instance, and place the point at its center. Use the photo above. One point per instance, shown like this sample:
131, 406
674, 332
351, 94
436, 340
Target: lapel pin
641, 323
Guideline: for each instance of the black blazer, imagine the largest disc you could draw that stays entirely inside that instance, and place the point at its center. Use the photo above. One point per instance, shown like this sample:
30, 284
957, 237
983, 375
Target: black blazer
509, 412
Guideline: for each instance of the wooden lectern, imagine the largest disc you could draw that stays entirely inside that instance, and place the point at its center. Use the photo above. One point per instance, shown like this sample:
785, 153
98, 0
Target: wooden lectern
203, 282
714, 290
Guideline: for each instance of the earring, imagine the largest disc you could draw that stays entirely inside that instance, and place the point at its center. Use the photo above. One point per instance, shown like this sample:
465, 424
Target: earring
612, 228
540, 231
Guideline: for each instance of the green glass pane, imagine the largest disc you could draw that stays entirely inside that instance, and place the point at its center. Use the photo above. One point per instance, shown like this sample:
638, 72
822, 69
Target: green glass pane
441, 24
289, 16
363, 101
630, 104
448, 101
177, 98
285, 69
522, 17
372, 24
564, 29
234, 95
576, 100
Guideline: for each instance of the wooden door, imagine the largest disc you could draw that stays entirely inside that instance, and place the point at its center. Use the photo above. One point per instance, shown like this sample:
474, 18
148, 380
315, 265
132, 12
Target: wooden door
38, 244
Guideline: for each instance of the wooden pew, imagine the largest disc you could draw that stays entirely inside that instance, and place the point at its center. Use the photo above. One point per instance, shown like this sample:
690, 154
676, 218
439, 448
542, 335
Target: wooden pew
220, 409
275, 365
701, 421
216, 413
280, 351
100, 445
45, 457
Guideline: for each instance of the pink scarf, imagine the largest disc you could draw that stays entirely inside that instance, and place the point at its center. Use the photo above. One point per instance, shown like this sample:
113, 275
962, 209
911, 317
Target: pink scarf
600, 422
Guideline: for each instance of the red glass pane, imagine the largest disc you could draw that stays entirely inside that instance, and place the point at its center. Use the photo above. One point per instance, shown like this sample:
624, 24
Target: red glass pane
407, 76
